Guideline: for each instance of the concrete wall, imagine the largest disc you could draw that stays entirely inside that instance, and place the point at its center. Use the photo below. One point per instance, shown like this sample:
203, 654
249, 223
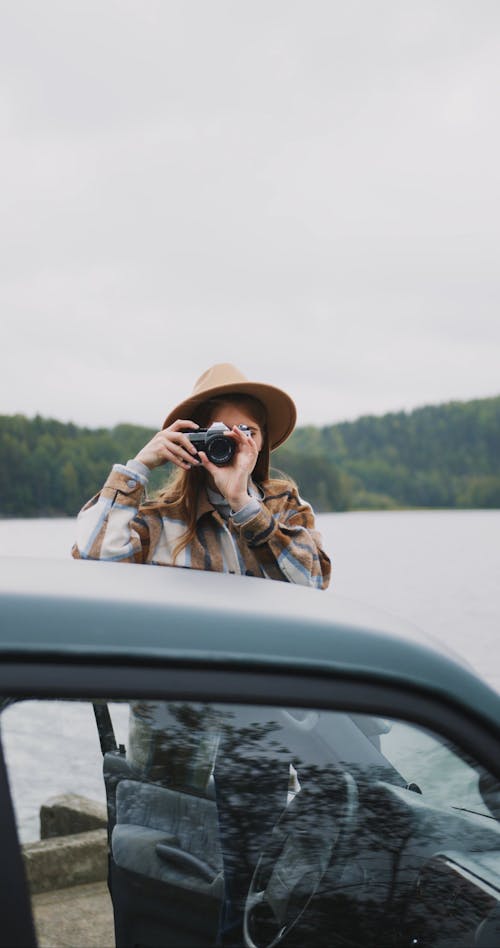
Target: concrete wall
74, 847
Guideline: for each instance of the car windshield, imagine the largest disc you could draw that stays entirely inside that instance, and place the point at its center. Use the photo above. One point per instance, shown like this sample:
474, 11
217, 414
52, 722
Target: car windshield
444, 776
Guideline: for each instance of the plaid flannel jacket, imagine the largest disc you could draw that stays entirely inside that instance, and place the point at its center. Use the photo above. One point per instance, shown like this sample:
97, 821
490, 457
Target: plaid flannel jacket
278, 542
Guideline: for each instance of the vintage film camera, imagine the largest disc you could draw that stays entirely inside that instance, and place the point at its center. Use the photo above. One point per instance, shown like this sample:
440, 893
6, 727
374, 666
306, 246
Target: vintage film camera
218, 448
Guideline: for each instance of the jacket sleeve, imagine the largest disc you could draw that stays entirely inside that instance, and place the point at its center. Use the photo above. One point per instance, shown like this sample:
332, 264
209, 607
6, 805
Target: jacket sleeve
109, 526
283, 537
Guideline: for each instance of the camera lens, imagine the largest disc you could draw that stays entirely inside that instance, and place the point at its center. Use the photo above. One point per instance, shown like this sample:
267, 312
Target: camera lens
220, 450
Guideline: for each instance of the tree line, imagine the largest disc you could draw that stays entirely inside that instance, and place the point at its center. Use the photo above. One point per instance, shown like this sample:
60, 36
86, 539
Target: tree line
436, 456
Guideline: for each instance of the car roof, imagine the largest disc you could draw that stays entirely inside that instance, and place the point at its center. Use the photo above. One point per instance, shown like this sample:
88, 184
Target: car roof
95, 609
279, 613
62, 608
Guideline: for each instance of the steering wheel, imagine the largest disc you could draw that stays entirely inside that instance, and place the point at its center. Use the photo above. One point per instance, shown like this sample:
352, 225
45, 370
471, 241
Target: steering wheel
314, 828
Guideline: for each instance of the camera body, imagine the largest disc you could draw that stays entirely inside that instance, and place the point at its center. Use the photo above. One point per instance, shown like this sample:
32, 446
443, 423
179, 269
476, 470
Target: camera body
218, 448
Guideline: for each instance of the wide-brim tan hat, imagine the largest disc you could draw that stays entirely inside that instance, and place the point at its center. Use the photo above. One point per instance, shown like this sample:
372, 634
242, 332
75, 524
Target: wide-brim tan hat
226, 379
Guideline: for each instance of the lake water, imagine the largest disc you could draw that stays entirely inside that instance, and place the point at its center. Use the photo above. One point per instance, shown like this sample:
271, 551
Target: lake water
438, 569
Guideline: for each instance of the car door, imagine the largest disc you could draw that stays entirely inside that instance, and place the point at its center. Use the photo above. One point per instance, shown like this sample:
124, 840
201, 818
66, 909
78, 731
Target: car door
243, 806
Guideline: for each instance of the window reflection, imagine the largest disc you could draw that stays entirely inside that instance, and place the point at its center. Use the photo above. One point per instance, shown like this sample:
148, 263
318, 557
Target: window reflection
255, 825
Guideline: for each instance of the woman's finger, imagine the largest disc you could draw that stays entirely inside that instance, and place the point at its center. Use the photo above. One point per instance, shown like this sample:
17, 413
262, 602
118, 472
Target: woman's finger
181, 459
182, 423
177, 437
245, 445
211, 468
178, 452
242, 437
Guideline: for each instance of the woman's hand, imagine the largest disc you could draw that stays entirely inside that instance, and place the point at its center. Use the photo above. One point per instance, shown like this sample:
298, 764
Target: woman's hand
232, 479
170, 445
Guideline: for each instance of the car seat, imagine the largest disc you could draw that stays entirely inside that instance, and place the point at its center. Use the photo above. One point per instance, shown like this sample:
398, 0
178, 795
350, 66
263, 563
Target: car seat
165, 862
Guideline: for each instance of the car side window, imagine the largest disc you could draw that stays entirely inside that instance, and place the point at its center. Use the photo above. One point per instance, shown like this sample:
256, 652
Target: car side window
193, 823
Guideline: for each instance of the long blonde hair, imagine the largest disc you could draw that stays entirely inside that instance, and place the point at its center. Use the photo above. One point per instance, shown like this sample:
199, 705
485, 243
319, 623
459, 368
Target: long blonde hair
179, 497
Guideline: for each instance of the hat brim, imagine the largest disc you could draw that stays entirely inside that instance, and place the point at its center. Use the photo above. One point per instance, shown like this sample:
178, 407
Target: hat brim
280, 408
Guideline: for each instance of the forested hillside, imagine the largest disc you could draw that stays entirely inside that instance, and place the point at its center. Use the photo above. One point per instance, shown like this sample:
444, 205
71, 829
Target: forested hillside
437, 456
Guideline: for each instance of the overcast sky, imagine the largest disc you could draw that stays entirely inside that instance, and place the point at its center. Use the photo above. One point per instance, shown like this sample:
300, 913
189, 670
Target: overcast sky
307, 189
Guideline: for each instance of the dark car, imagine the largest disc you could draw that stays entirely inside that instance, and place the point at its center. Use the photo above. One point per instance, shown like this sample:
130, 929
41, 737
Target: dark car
290, 769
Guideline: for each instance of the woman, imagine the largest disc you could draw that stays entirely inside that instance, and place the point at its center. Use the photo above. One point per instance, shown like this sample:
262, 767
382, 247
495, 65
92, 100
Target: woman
234, 518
